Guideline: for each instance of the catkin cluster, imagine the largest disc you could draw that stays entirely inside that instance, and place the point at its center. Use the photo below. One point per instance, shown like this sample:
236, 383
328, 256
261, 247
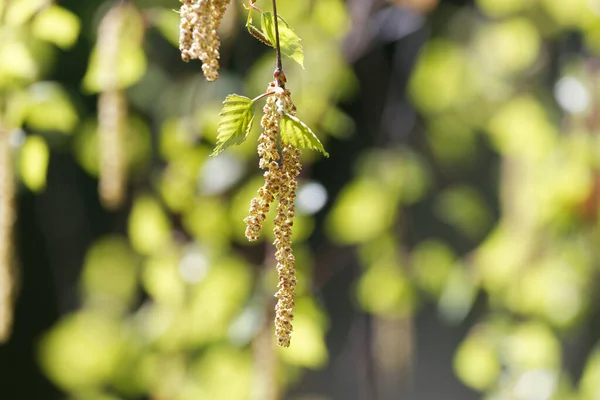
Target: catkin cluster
198, 37
7, 217
281, 177
112, 111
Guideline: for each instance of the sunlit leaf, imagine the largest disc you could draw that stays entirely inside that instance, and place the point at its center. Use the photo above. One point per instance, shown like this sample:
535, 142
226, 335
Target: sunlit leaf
57, 25
532, 345
131, 62
129, 69
17, 65
362, 212
81, 350
385, 290
298, 134
167, 23
21, 11
476, 362
50, 108
110, 274
235, 122
33, 163
288, 39
149, 227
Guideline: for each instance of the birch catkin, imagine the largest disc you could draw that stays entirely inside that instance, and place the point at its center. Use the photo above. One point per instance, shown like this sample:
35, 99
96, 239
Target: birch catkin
7, 217
198, 37
112, 111
281, 180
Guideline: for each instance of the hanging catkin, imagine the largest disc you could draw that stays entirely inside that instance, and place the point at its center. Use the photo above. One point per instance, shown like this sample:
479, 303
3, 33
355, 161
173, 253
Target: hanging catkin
112, 110
281, 180
7, 217
198, 37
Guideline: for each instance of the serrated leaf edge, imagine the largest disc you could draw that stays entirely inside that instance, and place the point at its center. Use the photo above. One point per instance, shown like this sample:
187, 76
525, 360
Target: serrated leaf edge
220, 146
307, 128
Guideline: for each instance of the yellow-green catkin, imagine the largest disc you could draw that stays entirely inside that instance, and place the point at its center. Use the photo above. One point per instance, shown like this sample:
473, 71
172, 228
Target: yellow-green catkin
112, 111
281, 180
112, 126
198, 37
7, 218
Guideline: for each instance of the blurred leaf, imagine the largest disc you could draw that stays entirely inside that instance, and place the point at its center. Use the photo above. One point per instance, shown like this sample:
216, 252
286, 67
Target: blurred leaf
109, 277
385, 290
149, 227
17, 65
21, 11
230, 281
51, 108
33, 163
131, 61
458, 295
167, 22
521, 127
235, 122
56, 25
502, 8
331, 16
432, 263
219, 367
510, 46
288, 39
81, 351
129, 69
590, 381
162, 280
296, 133
137, 145
532, 345
465, 209
362, 212
440, 80
476, 363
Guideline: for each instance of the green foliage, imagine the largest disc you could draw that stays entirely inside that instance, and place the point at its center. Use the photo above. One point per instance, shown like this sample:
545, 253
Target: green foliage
298, 134
33, 163
288, 39
131, 60
498, 201
56, 25
235, 122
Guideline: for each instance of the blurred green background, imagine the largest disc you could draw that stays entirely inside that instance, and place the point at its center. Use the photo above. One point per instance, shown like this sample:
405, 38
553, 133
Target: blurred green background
448, 249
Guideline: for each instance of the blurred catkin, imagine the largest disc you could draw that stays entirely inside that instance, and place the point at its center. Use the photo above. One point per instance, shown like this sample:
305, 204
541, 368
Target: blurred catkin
112, 125
112, 110
281, 181
7, 217
198, 37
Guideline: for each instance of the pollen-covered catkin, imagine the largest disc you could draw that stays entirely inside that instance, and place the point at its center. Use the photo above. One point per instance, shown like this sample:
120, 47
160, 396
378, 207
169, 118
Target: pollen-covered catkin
112, 110
281, 181
112, 125
198, 37
269, 157
7, 217
284, 221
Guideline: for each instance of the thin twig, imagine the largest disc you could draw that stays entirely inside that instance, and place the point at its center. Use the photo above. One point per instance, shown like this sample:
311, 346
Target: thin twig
278, 75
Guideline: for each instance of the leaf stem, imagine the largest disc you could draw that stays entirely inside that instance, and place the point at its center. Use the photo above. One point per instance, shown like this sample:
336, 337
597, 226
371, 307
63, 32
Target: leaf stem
278, 74
262, 96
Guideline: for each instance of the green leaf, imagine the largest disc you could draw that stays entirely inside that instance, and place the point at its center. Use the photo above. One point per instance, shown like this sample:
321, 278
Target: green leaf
296, 133
167, 23
33, 163
57, 25
130, 64
235, 122
288, 39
